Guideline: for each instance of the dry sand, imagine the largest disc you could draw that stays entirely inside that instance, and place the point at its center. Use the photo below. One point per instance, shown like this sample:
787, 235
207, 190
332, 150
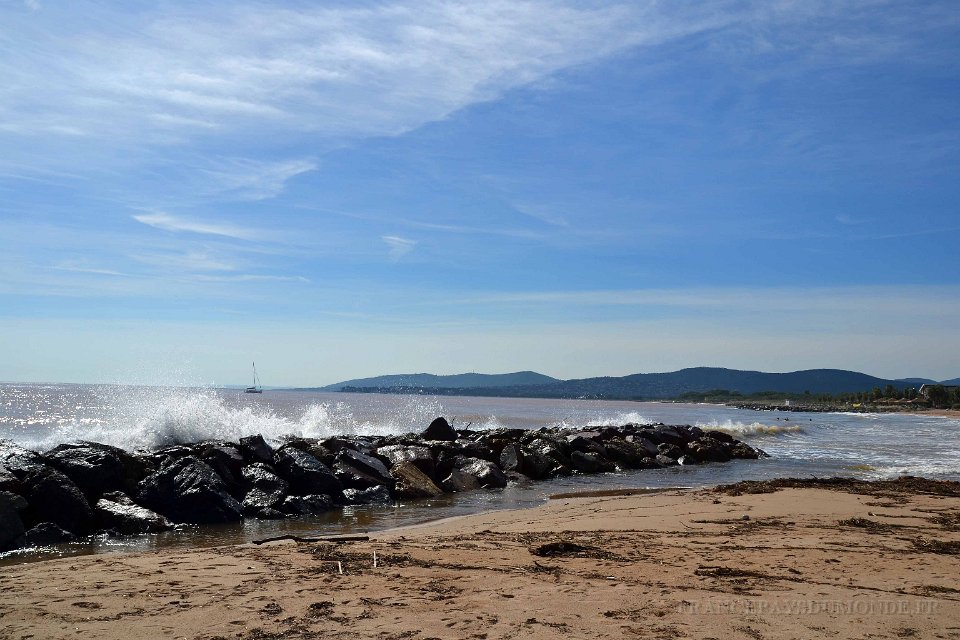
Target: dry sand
677, 564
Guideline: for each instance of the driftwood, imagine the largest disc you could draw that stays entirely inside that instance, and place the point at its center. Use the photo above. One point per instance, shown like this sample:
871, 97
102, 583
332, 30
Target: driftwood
337, 539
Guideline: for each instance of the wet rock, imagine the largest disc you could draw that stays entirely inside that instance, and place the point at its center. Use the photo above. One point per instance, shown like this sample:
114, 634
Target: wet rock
360, 471
314, 448
226, 459
53, 497
536, 465
116, 511
11, 526
97, 468
263, 489
421, 457
256, 449
511, 458
590, 462
488, 475
626, 454
719, 436
306, 474
708, 450
47, 534
665, 461
412, 482
648, 445
586, 442
308, 505
550, 447
9, 482
746, 452
666, 434
374, 495
459, 481
472, 449
188, 490
670, 451
439, 429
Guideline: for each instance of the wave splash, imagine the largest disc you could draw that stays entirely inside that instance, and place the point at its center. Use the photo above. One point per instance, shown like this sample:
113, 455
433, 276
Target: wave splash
737, 428
150, 418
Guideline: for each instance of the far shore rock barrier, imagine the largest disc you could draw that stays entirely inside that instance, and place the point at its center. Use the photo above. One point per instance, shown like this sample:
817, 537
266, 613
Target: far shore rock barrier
84, 488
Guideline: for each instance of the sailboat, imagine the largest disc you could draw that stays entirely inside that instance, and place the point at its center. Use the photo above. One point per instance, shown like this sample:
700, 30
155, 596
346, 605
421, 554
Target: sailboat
256, 388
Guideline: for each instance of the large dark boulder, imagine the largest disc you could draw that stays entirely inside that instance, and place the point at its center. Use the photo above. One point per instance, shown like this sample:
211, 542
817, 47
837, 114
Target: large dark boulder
11, 526
359, 470
459, 481
263, 489
670, 450
372, 495
628, 455
587, 442
744, 451
188, 490
590, 462
117, 512
306, 474
511, 458
256, 449
412, 482
97, 468
668, 435
421, 457
648, 445
53, 497
536, 465
9, 482
308, 505
226, 459
439, 429
488, 475
707, 449
47, 534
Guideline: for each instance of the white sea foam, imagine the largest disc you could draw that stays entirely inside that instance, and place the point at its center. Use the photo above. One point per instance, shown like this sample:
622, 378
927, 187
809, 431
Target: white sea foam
744, 429
147, 418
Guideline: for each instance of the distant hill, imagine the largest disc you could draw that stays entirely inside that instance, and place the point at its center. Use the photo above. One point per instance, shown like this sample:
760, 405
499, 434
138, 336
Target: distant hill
458, 381
647, 386
916, 381
952, 383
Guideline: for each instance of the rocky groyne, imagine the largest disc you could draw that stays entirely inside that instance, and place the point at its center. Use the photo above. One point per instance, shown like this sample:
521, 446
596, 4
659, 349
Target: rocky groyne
85, 488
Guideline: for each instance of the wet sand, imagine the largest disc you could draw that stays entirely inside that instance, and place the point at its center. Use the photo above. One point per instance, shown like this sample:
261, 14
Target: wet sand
847, 560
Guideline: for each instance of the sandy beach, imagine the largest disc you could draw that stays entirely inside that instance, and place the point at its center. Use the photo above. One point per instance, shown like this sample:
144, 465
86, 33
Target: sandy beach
852, 560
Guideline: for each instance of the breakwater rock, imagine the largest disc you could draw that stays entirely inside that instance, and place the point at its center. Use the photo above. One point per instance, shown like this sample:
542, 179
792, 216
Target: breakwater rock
84, 488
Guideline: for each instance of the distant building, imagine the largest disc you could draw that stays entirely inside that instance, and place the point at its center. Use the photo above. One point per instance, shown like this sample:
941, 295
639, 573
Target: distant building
925, 388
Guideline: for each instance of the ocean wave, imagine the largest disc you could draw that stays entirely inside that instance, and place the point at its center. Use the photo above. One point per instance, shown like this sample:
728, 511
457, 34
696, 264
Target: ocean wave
149, 418
744, 429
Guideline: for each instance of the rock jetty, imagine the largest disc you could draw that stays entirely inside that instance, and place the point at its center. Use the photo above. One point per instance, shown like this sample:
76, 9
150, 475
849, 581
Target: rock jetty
84, 488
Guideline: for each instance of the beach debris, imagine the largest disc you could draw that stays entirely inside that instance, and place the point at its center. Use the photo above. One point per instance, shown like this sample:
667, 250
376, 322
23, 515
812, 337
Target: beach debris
560, 548
932, 545
333, 539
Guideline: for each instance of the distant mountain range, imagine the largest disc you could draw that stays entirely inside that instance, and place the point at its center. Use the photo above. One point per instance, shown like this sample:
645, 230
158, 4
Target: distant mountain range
646, 386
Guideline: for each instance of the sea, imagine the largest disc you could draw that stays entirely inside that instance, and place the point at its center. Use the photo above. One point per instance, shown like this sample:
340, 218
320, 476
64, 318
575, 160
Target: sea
863, 445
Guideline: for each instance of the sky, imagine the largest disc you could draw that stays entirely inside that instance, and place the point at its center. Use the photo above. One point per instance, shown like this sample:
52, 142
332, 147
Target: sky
347, 189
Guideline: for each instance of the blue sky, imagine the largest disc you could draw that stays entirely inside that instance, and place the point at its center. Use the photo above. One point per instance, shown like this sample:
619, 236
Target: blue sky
348, 189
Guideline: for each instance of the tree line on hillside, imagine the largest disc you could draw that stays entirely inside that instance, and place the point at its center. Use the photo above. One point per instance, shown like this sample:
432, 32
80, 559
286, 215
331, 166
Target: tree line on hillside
939, 397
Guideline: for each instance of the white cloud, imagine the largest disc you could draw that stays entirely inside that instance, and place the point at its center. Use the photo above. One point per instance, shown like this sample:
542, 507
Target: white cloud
168, 222
254, 180
399, 247
336, 71
189, 261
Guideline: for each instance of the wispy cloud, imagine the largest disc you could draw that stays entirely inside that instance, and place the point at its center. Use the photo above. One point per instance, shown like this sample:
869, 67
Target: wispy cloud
176, 224
76, 267
254, 180
250, 277
189, 261
398, 247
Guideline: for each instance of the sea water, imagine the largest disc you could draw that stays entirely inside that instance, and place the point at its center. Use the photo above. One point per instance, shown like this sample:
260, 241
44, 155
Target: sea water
799, 444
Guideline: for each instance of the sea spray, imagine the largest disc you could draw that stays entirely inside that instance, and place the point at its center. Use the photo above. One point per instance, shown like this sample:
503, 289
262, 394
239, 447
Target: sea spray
743, 429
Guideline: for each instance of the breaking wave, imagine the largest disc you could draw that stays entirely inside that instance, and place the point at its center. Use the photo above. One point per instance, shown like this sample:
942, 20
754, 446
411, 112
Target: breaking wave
149, 418
737, 428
